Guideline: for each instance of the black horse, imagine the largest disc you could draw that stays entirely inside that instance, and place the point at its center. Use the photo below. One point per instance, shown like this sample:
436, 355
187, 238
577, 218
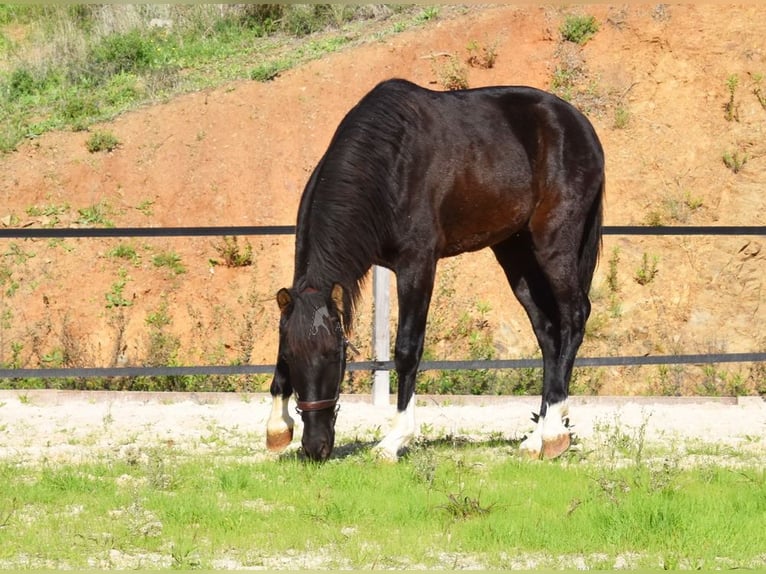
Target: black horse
413, 175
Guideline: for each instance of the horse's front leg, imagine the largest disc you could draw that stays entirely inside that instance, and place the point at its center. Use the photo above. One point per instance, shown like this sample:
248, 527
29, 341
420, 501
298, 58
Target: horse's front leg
414, 287
279, 428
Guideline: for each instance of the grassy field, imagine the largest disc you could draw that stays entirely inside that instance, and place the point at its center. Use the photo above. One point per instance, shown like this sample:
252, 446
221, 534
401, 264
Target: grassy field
447, 504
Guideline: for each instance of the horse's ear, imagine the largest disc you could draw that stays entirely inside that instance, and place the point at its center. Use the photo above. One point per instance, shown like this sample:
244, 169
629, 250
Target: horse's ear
337, 298
284, 299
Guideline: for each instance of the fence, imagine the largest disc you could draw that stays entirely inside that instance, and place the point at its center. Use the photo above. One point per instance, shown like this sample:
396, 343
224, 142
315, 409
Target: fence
381, 365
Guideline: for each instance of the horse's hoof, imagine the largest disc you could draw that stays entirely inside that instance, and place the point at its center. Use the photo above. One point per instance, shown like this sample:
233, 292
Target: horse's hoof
383, 454
279, 440
556, 446
529, 453
531, 447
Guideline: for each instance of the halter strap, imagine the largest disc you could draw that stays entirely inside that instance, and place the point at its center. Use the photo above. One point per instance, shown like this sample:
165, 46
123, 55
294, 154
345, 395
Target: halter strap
308, 406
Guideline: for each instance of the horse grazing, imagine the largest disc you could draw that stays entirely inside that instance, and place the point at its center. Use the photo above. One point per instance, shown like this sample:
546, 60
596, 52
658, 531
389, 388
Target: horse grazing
413, 175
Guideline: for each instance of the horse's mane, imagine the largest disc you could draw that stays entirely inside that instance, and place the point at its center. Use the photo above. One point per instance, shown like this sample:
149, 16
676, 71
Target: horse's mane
345, 217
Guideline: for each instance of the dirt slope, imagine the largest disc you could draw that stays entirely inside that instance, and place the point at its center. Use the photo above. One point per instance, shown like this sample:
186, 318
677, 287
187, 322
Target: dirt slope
653, 81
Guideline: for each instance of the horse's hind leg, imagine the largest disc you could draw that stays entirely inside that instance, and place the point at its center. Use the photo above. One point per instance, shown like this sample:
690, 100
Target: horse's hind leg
532, 289
544, 277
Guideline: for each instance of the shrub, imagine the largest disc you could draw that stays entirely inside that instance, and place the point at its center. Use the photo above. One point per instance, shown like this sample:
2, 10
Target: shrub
102, 141
453, 75
578, 29
129, 52
170, 260
232, 254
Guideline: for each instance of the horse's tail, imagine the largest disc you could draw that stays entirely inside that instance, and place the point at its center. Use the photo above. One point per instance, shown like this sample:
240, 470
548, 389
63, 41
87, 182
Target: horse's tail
592, 241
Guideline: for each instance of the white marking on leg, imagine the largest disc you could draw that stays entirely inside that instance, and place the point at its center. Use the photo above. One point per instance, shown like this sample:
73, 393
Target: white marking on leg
532, 446
402, 431
553, 425
280, 424
548, 429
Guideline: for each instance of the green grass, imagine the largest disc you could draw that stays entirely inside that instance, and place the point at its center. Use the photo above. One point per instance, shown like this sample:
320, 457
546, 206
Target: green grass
70, 66
444, 504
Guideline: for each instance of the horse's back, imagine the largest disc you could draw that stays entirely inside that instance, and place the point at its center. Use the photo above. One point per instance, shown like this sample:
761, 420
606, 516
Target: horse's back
481, 158
464, 168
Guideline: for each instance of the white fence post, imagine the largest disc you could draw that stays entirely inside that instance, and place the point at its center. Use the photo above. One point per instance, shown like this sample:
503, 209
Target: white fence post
381, 334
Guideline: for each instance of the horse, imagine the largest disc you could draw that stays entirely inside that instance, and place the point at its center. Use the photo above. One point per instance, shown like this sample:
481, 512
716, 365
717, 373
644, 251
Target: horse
410, 176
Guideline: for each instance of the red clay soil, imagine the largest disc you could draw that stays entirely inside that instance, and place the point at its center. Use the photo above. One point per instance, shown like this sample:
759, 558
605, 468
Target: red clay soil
654, 87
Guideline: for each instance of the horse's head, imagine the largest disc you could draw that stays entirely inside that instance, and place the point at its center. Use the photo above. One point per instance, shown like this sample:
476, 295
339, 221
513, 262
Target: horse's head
312, 347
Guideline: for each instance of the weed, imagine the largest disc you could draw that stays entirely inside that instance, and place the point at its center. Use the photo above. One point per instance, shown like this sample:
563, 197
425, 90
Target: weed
96, 214
126, 252
462, 507
17, 254
731, 108
452, 75
115, 297
570, 72
611, 277
669, 382
162, 346
482, 55
621, 117
647, 271
427, 14
757, 91
102, 141
734, 160
578, 29
229, 250
146, 207
268, 71
717, 382
169, 260
53, 359
50, 214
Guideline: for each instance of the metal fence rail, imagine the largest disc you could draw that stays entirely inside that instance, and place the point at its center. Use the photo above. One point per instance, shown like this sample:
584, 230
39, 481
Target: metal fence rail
46, 373
52, 232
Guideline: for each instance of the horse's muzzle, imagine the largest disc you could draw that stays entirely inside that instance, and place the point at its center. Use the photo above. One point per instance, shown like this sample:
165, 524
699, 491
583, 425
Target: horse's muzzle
318, 434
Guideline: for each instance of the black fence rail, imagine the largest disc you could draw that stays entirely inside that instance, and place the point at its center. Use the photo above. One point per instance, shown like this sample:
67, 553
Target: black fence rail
220, 231
223, 370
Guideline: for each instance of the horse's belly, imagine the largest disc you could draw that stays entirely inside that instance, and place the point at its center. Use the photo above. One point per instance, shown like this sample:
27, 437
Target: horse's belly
481, 222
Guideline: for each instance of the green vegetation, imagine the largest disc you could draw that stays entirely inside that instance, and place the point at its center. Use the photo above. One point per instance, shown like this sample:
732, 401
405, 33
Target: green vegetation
482, 55
758, 90
731, 108
102, 141
647, 271
735, 160
160, 507
232, 254
169, 260
68, 66
125, 252
116, 295
96, 214
452, 74
578, 29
